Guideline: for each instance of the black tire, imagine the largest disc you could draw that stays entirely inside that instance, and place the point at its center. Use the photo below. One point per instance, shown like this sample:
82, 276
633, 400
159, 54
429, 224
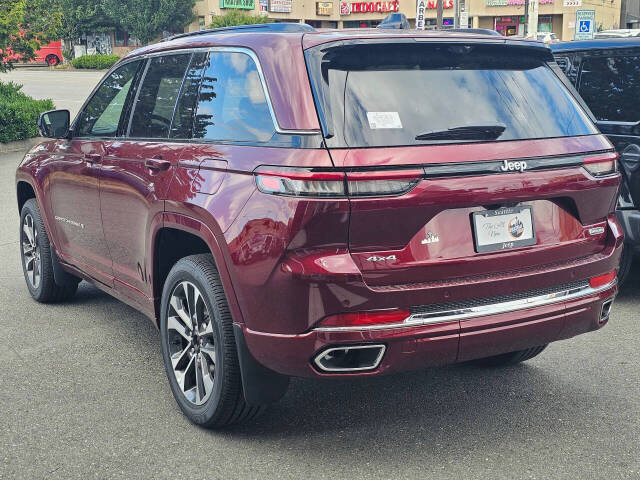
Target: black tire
626, 260
226, 403
46, 290
510, 358
52, 60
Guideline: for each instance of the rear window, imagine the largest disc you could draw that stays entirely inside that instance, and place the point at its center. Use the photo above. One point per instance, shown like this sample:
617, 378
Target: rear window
392, 94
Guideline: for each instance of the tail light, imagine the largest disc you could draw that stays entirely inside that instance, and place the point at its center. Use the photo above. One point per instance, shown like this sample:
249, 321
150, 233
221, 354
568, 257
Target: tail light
602, 165
300, 182
375, 317
603, 279
383, 182
308, 182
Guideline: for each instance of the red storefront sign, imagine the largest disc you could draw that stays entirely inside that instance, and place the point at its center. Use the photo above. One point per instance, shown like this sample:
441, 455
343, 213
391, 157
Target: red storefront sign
434, 4
347, 8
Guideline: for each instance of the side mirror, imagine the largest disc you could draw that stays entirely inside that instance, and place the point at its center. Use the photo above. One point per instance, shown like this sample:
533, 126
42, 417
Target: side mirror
54, 124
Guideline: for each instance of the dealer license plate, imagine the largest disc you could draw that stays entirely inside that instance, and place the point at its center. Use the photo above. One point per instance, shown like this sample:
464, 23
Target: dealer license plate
503, 229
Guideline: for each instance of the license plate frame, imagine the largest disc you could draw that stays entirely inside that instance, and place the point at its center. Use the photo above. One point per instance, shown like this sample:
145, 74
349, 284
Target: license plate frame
505, 239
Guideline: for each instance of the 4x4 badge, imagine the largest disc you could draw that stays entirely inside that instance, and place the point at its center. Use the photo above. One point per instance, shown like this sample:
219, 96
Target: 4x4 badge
376, 258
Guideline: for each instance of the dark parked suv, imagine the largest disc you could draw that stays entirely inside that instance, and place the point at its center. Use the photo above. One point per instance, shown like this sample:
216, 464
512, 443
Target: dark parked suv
286, 202
606, 72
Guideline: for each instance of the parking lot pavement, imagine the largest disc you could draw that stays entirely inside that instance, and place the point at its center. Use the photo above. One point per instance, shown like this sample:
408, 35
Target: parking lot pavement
84, 395
67, 88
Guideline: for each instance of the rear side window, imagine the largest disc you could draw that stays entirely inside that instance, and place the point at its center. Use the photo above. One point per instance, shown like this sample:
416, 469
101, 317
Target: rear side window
158, 95
102, 114
611, 87
232, 104
392, 94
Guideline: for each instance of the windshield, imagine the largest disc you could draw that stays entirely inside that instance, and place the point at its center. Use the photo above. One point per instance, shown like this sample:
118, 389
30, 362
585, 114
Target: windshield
392, 94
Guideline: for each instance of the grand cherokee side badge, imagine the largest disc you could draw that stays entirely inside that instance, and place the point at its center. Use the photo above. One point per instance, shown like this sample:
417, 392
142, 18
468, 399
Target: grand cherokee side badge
430, 238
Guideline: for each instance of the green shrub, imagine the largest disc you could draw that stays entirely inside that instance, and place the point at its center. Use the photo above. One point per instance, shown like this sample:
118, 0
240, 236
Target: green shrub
19, 113
234, 18
95, 62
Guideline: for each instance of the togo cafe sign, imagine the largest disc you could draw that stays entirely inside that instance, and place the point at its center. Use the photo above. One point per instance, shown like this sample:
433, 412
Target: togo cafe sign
347, 8
324, 8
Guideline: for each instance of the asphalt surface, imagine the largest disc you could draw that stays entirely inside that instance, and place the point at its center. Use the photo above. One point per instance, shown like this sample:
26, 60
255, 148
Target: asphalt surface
84, 395
68, 88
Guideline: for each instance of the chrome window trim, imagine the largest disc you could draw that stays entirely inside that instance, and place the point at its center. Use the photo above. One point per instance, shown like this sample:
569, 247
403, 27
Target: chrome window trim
421, 319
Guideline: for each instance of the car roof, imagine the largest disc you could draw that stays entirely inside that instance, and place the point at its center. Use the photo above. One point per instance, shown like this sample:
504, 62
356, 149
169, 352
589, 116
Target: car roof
244, 35
596, 44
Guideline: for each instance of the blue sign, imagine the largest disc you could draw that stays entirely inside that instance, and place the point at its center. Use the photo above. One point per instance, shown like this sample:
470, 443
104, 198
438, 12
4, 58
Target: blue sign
585, 25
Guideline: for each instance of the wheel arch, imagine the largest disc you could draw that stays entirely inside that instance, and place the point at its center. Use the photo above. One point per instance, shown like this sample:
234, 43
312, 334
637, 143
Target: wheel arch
24, 191
178, 237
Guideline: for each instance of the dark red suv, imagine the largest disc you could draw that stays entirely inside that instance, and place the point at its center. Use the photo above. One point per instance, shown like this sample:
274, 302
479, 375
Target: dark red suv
286, 202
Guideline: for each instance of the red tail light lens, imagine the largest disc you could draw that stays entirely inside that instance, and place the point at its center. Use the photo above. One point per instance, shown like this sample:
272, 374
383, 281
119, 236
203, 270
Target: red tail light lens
304, 182
300, 182
602, 280
366, 318
602, 165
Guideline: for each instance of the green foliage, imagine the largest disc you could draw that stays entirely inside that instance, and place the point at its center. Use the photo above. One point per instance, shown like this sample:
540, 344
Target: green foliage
147, 19
236, 17
95, 62
82, 17
24, 25
19, 113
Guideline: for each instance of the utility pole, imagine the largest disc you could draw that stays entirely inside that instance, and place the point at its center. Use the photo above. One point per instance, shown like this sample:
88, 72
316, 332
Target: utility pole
439, 7
532, 24
526, 18
456, 14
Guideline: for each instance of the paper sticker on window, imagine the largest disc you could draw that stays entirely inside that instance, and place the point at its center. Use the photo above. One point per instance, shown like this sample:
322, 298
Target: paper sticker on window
384, 120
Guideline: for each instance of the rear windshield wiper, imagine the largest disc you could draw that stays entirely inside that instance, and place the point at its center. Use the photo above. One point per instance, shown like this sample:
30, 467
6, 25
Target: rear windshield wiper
469, 132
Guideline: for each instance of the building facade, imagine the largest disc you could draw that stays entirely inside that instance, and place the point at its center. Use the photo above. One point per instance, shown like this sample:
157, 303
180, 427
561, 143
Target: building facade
505, 16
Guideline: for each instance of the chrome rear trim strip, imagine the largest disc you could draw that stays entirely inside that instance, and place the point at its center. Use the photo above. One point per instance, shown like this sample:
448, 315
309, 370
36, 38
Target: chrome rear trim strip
442, 316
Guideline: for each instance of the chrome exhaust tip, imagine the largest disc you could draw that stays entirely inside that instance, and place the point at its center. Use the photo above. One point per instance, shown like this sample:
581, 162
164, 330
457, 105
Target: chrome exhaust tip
606, 310
351, 358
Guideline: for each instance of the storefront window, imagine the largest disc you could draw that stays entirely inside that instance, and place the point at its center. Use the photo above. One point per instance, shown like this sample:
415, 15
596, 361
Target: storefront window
361, 23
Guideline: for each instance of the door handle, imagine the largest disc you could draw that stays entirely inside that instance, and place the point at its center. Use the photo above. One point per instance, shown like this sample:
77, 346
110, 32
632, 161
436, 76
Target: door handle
157, 164
92, 157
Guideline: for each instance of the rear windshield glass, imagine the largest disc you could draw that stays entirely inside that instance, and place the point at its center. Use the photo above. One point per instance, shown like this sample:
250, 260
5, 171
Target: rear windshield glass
391, 94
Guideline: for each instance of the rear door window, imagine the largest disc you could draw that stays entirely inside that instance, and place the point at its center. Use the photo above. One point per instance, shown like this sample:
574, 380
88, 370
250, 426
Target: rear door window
392, 94
153, 110
611, 87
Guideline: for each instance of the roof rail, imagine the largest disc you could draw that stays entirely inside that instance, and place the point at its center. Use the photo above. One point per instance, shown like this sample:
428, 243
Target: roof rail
284, 27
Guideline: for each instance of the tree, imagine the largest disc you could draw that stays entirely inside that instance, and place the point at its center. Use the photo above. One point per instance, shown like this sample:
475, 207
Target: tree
147, 19
24, 26
236, 17
82, 17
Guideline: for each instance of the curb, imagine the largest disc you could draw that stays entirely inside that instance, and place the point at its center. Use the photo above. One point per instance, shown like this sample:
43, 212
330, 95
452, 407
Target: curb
20, 145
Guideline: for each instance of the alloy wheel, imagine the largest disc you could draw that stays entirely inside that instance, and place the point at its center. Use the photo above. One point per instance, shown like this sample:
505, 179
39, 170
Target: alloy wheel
31, 251
191, 343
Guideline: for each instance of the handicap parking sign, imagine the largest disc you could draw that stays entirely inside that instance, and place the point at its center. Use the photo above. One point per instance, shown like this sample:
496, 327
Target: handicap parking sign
585, 24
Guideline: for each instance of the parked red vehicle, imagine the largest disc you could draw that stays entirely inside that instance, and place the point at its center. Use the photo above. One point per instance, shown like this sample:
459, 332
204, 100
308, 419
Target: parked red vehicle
287, 202
51, 54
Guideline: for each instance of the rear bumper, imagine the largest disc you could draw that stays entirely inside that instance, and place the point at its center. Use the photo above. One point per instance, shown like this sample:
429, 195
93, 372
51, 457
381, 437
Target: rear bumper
465, 337
282, 331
